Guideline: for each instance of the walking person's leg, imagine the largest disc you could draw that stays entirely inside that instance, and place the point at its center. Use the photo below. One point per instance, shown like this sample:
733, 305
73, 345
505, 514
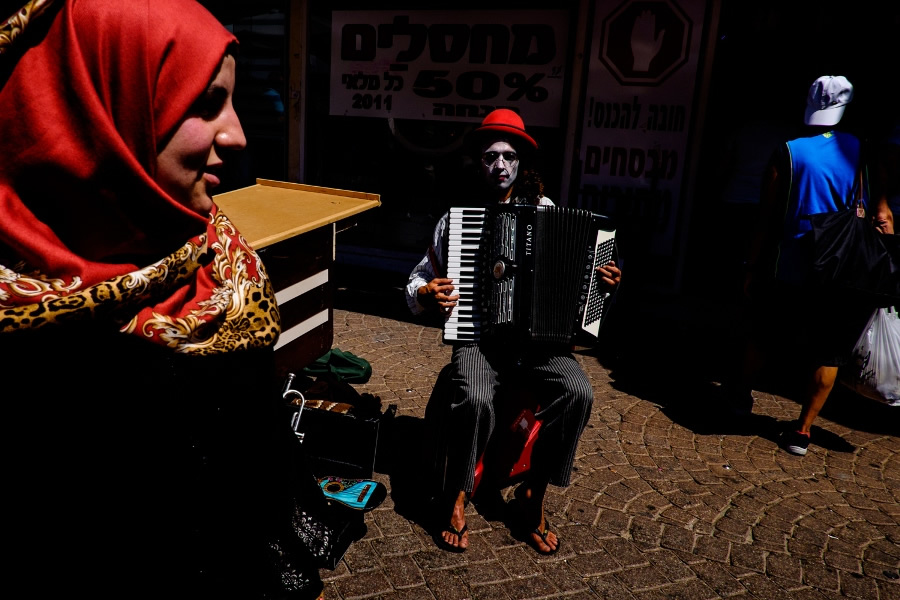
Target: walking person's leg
820, 385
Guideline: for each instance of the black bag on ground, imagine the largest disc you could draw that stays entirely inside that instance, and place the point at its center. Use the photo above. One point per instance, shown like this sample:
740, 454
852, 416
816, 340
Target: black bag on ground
339, 427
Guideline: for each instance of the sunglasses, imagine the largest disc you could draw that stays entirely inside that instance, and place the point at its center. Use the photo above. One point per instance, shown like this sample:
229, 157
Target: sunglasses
489, 158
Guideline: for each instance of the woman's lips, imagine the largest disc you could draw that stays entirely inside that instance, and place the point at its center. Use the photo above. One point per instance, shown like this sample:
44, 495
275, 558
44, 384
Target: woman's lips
212, 180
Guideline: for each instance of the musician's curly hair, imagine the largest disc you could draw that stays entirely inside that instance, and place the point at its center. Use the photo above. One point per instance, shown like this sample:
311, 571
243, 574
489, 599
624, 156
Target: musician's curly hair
529, 188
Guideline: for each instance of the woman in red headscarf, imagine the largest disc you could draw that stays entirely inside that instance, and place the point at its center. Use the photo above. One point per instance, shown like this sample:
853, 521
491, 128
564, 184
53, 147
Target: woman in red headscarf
136, 324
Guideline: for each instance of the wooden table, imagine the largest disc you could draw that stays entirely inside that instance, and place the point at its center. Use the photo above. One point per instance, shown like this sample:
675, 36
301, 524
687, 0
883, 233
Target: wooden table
293, 227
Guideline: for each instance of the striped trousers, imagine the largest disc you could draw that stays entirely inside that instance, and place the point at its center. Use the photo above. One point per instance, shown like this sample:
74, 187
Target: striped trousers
564, 392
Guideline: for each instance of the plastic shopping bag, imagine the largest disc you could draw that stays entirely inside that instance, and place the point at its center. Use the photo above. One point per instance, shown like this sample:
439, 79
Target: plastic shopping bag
875, 370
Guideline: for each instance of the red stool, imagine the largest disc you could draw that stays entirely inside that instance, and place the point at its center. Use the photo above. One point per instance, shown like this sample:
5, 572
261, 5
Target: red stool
507, 459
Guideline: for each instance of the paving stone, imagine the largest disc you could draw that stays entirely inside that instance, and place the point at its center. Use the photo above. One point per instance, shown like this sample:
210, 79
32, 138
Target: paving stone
888, 590
564, 576
677, 516
626, 553
641, 578
804, 549
435, 558
684, 590
361, 557
670, 565
594, 563
854, 585
416, 593
748, 557
763, 587
877, 517
843, 562
529, 587
397, 544
712, 548
402, 572
609, 588
646, 532
363, 585
677, 538
842, 543
518, 561
820, 577
484, 573
883, 551
491, 591
718, 578
613, 521
878, 571
737, 530
447, 585
704, 527
784, 566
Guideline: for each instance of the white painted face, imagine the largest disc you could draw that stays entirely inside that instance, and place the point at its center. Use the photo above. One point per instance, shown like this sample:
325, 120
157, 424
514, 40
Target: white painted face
500, 165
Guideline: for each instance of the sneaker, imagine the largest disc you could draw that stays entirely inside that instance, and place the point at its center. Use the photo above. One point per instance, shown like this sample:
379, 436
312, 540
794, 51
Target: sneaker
797, 443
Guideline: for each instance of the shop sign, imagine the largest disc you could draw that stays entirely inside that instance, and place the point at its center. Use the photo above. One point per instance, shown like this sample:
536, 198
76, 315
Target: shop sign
449, 65
641, 85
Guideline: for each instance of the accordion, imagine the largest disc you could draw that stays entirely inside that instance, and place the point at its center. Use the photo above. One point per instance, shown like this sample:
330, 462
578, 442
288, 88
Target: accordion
527, 273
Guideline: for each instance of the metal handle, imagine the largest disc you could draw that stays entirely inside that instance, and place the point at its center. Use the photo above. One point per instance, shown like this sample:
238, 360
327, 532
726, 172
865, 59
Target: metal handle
287, 394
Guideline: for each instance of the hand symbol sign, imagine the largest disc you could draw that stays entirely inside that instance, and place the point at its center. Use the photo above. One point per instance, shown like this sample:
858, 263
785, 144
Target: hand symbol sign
644, 45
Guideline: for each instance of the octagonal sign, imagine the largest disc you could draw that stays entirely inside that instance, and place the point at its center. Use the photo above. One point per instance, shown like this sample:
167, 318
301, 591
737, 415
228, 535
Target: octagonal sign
645, 41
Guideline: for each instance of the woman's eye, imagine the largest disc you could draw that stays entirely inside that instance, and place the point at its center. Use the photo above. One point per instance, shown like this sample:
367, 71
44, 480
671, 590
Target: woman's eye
210, 103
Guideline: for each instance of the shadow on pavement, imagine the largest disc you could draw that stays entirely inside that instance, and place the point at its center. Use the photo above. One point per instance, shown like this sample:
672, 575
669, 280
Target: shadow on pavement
679, 364
860, 413
371, 292
407, 452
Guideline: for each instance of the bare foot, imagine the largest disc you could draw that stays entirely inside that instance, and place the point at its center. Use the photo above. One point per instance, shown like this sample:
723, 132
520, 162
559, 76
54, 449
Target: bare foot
545, 541
532, 502
457, 535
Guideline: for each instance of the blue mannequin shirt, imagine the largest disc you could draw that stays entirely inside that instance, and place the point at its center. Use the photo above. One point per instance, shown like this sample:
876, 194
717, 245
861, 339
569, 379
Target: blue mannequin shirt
823, 179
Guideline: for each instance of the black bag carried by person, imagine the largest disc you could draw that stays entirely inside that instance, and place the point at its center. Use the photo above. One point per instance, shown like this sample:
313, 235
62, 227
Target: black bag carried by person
848, 252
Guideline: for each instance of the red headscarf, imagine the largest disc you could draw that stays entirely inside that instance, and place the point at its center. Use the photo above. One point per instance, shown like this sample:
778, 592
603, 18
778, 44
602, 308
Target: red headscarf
85, 231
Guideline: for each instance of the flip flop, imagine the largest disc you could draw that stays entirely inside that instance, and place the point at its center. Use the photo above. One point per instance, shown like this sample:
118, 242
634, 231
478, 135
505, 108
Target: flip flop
439, 539
520, 530
543, 535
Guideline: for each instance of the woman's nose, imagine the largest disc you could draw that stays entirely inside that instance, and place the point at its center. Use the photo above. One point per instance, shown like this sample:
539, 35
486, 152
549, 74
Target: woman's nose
231, 134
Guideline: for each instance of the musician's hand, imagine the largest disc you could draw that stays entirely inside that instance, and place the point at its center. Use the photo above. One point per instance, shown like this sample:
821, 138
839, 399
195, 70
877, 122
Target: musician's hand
437, 294
610, 276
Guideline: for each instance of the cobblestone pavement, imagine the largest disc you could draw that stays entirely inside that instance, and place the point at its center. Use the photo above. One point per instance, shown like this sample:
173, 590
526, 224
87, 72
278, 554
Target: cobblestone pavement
667, 500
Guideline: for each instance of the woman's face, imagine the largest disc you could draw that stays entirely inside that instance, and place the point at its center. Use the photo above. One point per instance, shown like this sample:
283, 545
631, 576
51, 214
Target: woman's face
500, 165
189, 166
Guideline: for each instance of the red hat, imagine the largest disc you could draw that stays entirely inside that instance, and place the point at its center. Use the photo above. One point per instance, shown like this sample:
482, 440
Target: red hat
506, 121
